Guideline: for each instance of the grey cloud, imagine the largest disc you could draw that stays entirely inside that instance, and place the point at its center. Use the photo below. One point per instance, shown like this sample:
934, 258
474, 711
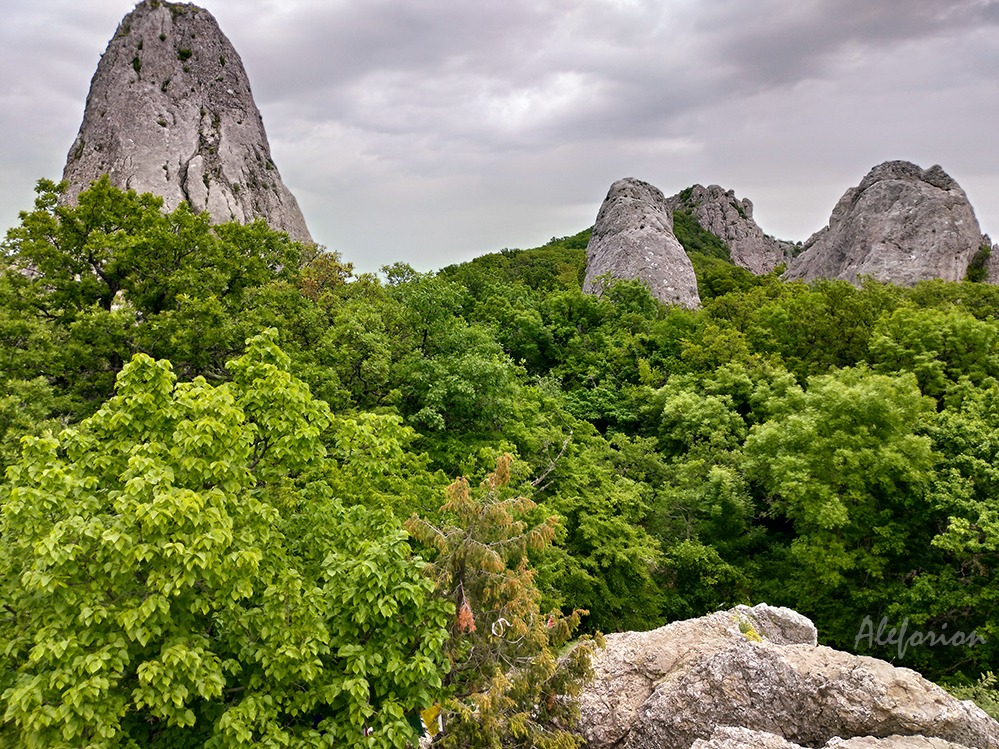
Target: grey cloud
483, 124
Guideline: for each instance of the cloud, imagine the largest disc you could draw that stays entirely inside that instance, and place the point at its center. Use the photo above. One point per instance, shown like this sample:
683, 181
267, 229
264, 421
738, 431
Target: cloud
437, 130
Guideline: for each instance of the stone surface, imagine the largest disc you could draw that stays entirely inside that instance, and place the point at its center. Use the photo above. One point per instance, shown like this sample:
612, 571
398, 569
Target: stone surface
759, 669
633, 239
892, 742
170, 112
628, 670
720, 212
901, 224
727, 737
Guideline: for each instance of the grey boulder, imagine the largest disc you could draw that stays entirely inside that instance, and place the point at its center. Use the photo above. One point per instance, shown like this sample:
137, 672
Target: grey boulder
730, 219
759, 669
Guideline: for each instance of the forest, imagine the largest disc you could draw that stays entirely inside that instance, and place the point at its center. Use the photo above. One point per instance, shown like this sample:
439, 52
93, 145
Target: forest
252, 497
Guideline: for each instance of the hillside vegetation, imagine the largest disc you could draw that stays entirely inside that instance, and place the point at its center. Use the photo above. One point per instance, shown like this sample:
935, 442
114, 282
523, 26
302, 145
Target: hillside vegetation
278, 420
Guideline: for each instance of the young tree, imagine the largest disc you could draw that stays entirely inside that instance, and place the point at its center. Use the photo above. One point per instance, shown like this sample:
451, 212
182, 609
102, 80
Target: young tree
508, 686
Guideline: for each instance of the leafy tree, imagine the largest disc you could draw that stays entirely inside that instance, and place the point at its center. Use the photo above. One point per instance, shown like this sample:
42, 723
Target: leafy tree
704, 514
818, 327
717, 277
117, 241
978, 299
559, 264
696, 239
100, 275
843, 462
177, 572
955, 588
939, 347
977, 266
323, 272
606, 561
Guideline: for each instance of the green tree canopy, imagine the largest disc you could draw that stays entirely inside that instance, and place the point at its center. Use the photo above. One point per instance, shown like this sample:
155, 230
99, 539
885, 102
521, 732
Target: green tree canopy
177, 572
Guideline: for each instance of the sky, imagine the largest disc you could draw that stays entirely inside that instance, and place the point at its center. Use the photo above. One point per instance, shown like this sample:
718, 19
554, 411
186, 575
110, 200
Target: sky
434, 131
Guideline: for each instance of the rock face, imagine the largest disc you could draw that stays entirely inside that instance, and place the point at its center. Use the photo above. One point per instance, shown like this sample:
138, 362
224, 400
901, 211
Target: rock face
754, 677
633, 239
901, 224
720, 212
170, 112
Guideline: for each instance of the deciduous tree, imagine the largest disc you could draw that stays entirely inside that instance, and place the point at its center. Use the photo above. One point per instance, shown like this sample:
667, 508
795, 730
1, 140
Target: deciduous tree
176, 572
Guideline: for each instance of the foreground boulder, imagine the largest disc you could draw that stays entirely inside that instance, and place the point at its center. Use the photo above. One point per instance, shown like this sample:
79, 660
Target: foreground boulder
754, 677
730, 219
633, 239
170, 112
901, 224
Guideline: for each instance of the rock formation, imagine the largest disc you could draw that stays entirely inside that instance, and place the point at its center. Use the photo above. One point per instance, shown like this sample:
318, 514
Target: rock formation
718, 211
755, 677
633, 239
170, 112
901, 224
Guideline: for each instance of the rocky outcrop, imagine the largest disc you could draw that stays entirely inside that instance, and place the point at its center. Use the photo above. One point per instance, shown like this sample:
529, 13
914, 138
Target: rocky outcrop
901, 224
633, 239
755, 677
730, 219
170, 112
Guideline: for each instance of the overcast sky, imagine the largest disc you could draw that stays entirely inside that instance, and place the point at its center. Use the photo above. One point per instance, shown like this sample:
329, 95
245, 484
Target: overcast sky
433, 131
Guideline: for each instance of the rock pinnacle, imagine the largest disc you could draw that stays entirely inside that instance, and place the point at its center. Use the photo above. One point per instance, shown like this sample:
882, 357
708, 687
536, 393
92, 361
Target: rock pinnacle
633, 239
170, 112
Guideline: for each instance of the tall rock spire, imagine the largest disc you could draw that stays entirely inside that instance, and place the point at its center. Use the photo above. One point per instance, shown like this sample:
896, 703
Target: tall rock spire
633, 239
170, 112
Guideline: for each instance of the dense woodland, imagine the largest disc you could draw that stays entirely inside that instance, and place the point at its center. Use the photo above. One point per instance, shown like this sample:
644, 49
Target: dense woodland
229, 547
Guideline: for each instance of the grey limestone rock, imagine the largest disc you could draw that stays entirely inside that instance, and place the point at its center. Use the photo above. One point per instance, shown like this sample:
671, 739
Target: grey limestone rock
901, 224
718, 681
727, 737
633, 239
992, 261
779, 625
891, 742
628, 670
170, 112
720, 212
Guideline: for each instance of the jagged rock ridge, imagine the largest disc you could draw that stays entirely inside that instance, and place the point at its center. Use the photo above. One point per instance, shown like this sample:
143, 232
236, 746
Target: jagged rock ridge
901, 224
754, 677
633, 239
170, 112
730, 219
